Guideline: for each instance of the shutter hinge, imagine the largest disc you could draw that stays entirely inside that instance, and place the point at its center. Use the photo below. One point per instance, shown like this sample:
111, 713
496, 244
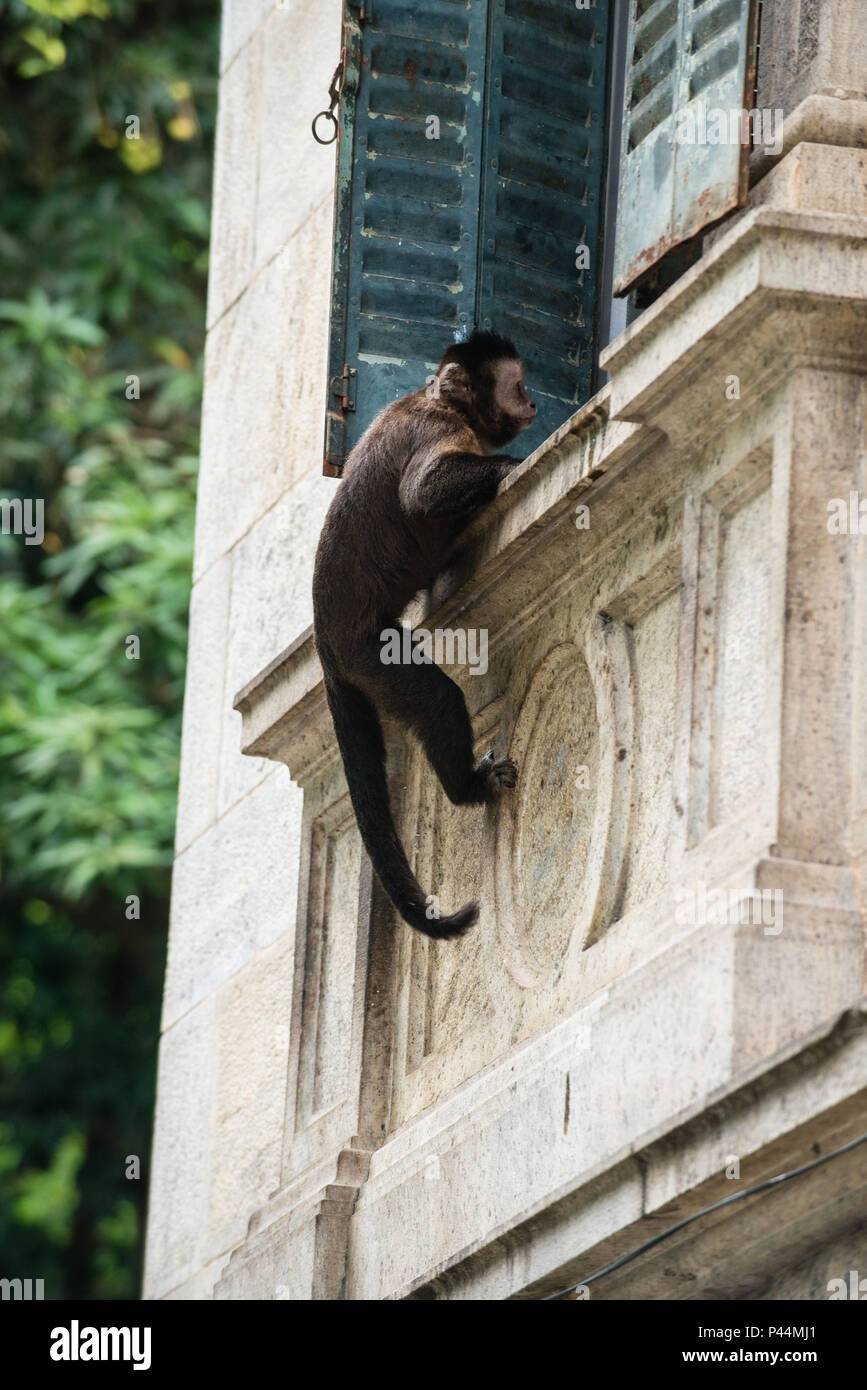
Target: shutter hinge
364, 9
335, 444
345, 387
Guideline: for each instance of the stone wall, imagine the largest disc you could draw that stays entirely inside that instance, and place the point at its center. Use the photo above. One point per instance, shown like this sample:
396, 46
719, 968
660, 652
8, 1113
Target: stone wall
346, 1110
223, 1060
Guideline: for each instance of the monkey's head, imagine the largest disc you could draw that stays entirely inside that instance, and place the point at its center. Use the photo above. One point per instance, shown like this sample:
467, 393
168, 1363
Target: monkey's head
484, 378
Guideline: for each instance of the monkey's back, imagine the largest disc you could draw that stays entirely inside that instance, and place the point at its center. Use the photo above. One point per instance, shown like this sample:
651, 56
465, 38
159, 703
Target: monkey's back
371, 558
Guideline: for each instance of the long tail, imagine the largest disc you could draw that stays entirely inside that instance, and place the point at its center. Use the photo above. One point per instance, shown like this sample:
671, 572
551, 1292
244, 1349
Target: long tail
359, 736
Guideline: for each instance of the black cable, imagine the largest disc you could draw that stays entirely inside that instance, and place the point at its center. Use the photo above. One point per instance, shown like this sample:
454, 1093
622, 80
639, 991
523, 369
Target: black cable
726, 1201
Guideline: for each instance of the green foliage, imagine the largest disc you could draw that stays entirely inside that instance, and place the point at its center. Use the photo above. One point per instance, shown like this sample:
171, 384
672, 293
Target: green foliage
103, 258
47, 1198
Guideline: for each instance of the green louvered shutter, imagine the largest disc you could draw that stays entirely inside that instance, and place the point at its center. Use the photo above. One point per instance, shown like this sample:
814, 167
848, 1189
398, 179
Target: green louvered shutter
685, 56
545, 149
479, 227
406, 218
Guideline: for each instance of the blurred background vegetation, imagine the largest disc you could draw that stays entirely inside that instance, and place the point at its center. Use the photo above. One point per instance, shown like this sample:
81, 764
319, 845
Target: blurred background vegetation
103, 267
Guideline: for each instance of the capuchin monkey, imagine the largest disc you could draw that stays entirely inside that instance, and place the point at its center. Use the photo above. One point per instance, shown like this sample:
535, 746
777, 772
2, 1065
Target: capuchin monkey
420, 473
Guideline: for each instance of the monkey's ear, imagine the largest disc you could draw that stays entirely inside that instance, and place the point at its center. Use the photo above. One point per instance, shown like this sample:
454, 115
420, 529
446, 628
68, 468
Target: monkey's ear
455, 382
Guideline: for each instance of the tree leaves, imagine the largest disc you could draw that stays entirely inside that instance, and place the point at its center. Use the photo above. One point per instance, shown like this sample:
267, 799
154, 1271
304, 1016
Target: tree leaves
103, 256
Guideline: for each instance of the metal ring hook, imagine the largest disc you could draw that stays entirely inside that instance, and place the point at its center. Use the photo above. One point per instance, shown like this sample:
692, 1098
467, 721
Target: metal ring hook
334, 94
329, 115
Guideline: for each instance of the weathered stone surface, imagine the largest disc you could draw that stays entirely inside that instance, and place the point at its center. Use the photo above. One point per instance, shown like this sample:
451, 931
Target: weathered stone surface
234, 891
204, 703
296, 175
241, 18
297, 1243
747, 302
816, 48
824, 663
280, 1270
252, 451
233, 224
271, 604
819, 1275
179, 1159
201, 1287
252, 1051
823, 178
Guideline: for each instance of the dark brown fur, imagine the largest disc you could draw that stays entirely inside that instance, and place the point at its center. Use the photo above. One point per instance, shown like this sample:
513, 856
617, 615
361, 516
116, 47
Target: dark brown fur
416, 478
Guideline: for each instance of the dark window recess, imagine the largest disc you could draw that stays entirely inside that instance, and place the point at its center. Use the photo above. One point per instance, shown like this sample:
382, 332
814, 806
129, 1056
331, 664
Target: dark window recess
685, 56
480, 227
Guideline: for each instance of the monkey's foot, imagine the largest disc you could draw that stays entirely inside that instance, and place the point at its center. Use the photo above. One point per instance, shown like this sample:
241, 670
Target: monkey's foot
494, 776
485, 782
506, 772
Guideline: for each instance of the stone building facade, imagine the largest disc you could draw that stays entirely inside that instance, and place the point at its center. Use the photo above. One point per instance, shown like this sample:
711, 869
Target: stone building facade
663, 1001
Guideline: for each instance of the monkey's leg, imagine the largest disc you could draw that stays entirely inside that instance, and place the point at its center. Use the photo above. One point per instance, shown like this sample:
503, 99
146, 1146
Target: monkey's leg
427, 701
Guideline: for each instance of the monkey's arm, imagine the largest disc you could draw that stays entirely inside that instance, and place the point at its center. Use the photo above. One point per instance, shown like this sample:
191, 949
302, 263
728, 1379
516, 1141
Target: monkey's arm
452, 483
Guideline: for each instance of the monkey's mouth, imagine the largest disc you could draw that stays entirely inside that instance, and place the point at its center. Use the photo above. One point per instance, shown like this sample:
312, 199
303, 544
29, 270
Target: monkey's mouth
501, 428
525, 423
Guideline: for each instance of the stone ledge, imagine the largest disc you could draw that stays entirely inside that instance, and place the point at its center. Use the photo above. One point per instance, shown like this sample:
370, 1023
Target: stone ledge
809, 1093
284, 710
510, 1120
753, 306
821, 118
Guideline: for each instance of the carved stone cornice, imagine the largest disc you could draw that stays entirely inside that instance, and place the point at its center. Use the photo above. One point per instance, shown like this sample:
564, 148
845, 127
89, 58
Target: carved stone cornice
285, 713
781, 290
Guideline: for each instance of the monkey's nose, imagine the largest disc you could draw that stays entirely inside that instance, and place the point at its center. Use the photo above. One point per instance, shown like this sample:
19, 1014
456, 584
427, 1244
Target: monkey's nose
532, 407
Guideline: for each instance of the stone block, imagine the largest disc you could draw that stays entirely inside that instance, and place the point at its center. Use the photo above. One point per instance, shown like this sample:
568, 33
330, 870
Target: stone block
234, 890
264, 404
177, 1209
241, 19
271, 604
296, 175
204, 703
252, 1051
233, 226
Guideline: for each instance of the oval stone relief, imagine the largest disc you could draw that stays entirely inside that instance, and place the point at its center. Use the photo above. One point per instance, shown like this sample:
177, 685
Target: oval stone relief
566, 830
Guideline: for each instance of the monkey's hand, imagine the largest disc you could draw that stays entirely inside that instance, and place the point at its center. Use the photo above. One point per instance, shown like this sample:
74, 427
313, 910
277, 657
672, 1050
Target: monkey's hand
452, 484
506, 461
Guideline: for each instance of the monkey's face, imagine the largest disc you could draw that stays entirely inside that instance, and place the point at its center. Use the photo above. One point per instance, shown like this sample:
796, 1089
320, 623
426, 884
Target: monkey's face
503, 405
491, 394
